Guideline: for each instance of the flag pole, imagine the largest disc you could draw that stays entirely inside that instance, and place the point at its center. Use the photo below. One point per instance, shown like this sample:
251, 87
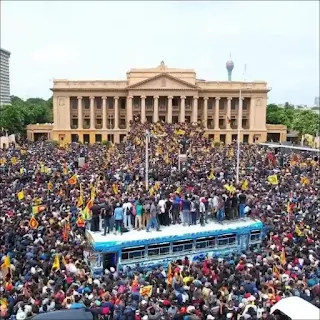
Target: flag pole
147, 161
239, 128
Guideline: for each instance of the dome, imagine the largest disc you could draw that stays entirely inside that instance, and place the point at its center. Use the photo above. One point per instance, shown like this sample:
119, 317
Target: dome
230, 64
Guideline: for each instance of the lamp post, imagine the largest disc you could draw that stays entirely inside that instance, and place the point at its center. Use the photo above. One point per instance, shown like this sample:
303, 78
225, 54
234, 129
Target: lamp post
147, 137
239, 126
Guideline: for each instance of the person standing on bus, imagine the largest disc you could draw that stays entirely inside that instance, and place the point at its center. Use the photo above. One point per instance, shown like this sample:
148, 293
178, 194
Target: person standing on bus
220, 213
139, 211
127, 210
106, 213
193, 211
95, 220
242, 205
118, 217
203, 212
185, 208
153, 217
176, 209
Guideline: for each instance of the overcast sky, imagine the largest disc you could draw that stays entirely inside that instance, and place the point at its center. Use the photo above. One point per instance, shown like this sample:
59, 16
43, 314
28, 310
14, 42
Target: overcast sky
279, 42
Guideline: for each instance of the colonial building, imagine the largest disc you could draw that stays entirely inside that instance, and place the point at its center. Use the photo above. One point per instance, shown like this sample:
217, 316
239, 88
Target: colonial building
93, 111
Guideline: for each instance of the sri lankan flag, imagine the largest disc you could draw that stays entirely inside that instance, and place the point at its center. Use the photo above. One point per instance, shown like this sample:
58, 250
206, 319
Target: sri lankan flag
276, 271
38, 209
80, 202
170, 276
115, 189
6, 262
73, 179
50, 185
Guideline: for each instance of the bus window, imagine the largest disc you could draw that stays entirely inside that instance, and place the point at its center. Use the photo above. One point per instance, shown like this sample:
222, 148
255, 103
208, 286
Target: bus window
133, 253
159, 249
203, 243
227, 240
182, 246
255, 236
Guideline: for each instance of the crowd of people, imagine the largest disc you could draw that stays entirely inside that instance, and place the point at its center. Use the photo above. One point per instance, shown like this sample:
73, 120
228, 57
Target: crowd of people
46, 199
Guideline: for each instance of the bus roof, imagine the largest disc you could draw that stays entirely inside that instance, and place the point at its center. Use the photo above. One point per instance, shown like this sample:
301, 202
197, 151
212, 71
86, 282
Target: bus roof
285, 146
171, 233
297, 309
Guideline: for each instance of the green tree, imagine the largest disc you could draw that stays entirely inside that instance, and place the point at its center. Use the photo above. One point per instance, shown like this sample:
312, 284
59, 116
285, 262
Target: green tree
306, 122
20, 113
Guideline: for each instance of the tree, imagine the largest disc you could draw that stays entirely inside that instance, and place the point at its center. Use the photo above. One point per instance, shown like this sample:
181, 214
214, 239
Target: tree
20, 113
303, 121
306, 122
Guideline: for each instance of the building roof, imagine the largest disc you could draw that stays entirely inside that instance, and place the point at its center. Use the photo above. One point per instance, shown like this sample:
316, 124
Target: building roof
5, 51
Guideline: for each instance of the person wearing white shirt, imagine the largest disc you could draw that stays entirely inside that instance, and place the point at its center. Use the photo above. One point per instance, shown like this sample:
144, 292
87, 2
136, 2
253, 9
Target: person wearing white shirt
127, 206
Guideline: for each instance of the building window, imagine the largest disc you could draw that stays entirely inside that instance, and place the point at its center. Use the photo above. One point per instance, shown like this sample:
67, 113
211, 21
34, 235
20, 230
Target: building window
99, 121
122, 104
86, 138
245, 138
234, 137
244, 123
122, 123
221, 123
98, 137
74, 124
74, 138
223, 138
122, 136
111, 138
86, 103
110, 102
86, 123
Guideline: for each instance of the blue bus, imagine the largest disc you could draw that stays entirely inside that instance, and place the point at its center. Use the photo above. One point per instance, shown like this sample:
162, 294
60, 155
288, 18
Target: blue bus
148, 249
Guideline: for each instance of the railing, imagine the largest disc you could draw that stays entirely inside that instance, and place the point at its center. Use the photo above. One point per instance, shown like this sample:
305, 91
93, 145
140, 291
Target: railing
98, 126
74, 126
110, 126
122, 126
86, 126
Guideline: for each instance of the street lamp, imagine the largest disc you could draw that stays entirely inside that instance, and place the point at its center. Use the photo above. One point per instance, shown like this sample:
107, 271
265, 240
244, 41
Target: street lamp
239, 126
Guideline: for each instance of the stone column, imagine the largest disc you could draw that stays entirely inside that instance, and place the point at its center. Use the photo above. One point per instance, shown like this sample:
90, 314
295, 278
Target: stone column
80, 119
194, 115
92, 114
205, 111
129, 110
216, 114
183, 109
229, 113
143, 109
251, 119
104, 113
240, 113
169, 120
116, 112
155, 109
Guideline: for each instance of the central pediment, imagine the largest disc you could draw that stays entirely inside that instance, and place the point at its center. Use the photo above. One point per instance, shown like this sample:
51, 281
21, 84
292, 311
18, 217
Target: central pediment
163, 81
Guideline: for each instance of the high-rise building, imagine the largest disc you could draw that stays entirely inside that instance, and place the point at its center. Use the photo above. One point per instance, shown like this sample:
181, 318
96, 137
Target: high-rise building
4, 77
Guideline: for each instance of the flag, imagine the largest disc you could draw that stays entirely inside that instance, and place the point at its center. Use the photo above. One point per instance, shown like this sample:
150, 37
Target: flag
21, 170
4, 302
85, 214
273, 179
33, 223
146, 291
298, 231
37, 201
115, 189
73, 179
169, 276
276, 272
93, 193
38, 209
56, 263
6, 262
14, 160
245, 185
80, 222
283, 259
304, 180
80, 202
50, 185
65, 170
211, 175
21, 195
151, 191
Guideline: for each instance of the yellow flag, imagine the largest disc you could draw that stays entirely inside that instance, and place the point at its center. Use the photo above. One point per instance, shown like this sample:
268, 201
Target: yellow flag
304, 180
80, 202
146, 291
21, 171
273, 179
56, 263
245, 185
211, 175
21, 195
6, 262
151, 191
50, 185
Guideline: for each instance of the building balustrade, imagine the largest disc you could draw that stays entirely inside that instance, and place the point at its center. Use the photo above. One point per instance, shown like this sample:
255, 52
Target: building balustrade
98, 126
86, 126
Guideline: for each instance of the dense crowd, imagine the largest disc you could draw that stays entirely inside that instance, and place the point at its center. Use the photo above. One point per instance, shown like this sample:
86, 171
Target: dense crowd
46, 199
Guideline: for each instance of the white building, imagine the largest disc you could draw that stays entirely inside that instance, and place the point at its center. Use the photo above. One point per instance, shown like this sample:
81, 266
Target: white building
4, 77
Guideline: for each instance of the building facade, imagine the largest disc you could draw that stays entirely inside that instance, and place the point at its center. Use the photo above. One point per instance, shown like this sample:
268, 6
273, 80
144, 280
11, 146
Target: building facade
4, 77
93, 111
